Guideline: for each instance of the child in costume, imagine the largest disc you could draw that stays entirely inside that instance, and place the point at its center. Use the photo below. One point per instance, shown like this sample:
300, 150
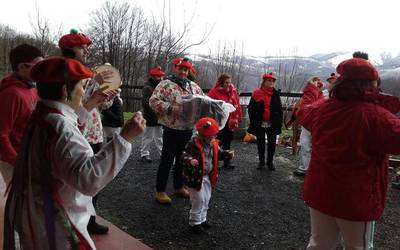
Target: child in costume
200, 161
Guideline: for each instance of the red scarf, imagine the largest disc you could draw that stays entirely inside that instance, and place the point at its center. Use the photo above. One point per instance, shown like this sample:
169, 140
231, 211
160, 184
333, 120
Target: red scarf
231, 96
264, 94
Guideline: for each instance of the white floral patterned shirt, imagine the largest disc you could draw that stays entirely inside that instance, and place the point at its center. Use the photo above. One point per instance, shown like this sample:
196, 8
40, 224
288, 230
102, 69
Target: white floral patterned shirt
91, 128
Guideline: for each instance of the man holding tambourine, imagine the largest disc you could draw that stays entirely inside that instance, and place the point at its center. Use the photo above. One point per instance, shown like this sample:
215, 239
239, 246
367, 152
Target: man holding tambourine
75, 45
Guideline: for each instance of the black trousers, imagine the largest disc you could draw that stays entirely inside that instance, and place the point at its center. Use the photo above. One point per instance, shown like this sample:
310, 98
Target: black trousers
174, 142
225, 136
96, 148
271, 138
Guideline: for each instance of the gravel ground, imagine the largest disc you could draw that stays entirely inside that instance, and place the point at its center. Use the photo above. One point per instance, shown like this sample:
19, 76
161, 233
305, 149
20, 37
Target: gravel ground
249, 208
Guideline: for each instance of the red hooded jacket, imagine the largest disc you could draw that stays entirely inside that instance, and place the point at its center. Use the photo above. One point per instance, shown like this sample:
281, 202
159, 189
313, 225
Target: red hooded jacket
348, 172
17, 100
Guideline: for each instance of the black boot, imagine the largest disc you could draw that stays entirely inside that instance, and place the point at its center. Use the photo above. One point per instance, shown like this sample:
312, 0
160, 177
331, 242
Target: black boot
198, 229
271, 166
228, 164
206, 225
261, 165
95, 228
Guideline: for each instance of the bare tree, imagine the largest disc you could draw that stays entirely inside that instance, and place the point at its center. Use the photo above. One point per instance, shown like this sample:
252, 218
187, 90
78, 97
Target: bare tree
46, 36
128, 40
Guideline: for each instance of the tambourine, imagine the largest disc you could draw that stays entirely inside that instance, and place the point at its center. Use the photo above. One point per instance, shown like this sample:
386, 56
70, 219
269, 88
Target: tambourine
115, 81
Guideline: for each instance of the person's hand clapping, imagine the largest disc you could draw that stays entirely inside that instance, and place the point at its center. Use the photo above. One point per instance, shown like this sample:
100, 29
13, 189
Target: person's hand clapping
103, 77
98, 98
134, 127
112, 94
194, 162
230, 153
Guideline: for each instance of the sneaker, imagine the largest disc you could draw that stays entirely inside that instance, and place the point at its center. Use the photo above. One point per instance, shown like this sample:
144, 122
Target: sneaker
205, 225
182, 192
163, 198
299, 173
198, 229
271, 166
94, 228
146, 159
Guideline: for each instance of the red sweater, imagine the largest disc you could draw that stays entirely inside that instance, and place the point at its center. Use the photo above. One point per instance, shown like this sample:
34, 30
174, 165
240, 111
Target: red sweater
348, 172
17, 100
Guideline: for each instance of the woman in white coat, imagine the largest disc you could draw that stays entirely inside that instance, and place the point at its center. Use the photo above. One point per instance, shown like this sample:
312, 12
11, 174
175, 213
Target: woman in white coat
50, 197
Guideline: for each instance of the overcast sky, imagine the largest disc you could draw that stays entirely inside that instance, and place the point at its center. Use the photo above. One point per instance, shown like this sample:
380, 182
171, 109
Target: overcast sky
264, 27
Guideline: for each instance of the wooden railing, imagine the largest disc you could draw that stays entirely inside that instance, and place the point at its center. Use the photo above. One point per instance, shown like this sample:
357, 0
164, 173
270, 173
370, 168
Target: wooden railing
132, 97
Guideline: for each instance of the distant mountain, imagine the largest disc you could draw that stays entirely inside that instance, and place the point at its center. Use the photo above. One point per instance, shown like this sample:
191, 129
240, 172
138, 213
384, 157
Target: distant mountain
293, 71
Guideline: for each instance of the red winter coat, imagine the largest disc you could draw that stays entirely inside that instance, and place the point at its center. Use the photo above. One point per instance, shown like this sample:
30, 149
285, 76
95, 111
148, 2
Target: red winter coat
348, 172
17, 100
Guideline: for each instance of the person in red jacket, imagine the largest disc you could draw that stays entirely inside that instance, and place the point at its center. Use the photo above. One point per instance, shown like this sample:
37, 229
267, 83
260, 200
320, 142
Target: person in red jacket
346, 183
17, 100
200, 171
224, 90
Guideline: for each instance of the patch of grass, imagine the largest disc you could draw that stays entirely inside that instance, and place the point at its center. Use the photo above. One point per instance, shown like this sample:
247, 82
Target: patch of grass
128, 115
286, 133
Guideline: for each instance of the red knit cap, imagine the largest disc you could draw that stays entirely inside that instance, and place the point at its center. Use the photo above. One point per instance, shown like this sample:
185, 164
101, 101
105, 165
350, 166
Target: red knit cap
73, 39
207, 126
52, 70
183, 62
157, 72
269, 76
357, 69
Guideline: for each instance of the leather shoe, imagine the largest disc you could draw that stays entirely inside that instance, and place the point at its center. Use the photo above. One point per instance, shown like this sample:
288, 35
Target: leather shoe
182, 192
163, 198
94, 228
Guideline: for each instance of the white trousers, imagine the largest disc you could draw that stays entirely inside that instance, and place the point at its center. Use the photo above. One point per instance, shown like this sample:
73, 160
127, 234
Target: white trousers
6, 171
325, 232
200, 200
305, 149
151, 134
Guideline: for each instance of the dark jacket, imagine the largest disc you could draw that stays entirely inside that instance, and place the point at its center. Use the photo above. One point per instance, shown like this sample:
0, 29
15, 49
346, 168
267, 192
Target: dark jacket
148, 113
113, 117
256, 110
193, 175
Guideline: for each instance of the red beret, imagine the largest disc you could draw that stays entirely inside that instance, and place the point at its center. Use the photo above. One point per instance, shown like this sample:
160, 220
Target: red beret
157, 72
269, 76
183, 62
73, 39
52, 70
176, 60
357, 69
207, 126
